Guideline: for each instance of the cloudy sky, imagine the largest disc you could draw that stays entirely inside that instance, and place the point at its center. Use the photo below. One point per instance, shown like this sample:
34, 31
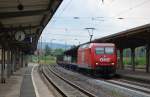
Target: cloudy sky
112, 16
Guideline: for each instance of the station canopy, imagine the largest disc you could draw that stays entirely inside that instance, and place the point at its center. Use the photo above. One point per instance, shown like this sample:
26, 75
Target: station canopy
22, 22
132, 38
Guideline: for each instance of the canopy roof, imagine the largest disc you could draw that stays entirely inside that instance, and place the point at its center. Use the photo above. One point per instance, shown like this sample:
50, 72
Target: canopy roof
27, 16
131, 38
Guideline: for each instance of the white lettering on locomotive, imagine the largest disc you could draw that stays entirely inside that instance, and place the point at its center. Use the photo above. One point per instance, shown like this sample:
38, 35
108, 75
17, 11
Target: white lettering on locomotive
104, 59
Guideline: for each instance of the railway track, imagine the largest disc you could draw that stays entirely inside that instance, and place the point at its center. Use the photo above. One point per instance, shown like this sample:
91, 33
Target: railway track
133, 85
141, 87
64, 86
127, 86
137, 83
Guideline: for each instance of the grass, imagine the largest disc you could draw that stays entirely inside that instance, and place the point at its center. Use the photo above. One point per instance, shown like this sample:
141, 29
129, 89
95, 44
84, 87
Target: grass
44, 59
139, 61
116, 93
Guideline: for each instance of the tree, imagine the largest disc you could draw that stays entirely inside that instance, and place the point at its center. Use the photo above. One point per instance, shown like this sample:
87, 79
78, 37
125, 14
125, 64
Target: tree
48, 50
58, 52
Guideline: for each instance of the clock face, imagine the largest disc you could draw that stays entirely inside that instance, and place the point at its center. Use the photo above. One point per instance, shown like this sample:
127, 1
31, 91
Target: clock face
20, 36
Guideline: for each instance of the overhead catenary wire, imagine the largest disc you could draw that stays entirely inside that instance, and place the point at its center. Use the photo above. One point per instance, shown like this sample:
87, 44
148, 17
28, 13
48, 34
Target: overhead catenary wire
69, 39
98, 18
63, 9
133, 7
114, 17
112, 1
66, 35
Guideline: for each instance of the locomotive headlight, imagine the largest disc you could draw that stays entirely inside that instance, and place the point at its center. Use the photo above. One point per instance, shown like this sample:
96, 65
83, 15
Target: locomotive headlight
113, 63
96, 63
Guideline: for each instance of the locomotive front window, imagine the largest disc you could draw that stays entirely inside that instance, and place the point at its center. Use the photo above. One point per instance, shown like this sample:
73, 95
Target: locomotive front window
109, 50
99, 50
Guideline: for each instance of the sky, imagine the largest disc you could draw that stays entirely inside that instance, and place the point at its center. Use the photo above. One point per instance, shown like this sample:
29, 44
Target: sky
69, 23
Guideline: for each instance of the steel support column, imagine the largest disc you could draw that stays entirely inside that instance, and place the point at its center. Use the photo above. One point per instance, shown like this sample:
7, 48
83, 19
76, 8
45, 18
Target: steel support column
121, 59
26, 60
147, 57
3, 79
21, 59
12, 65
133, 58
8, 63
17, 60
14, 61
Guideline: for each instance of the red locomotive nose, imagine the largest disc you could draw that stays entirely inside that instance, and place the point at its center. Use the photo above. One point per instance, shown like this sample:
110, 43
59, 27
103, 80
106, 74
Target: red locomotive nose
105, 58
97, 56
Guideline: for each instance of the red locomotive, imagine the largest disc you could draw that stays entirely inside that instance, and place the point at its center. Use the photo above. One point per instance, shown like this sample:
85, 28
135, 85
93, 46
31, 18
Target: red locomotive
93, 57
100, 57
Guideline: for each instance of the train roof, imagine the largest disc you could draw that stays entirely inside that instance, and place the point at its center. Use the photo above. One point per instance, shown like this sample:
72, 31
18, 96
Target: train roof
103, 44
89, 45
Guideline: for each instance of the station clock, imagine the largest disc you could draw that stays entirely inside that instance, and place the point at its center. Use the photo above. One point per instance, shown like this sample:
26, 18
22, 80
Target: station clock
20, 36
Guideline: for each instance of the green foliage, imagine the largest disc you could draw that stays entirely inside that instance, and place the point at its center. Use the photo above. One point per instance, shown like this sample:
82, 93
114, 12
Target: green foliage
140, 57
53, 52
139, 61
33, 58
49, 57
127, 60
48, 60
48, 50
43, 59
58, 52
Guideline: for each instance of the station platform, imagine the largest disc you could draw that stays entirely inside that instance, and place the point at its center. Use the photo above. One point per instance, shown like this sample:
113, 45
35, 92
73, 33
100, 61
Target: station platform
33, 85
27, 88
25, 83
12, 86
135, 75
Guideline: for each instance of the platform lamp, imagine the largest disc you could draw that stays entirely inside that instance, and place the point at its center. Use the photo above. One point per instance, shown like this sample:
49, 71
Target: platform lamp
90, 32
20, 5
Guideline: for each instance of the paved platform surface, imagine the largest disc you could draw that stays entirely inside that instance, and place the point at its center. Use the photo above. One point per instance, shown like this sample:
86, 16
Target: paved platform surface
27, 88
135, 75
33, 85
41, 86
25, 83
12, 86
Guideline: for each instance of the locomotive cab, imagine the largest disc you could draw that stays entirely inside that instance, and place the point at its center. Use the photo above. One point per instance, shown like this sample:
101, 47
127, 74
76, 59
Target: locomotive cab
105, 58
99, 57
